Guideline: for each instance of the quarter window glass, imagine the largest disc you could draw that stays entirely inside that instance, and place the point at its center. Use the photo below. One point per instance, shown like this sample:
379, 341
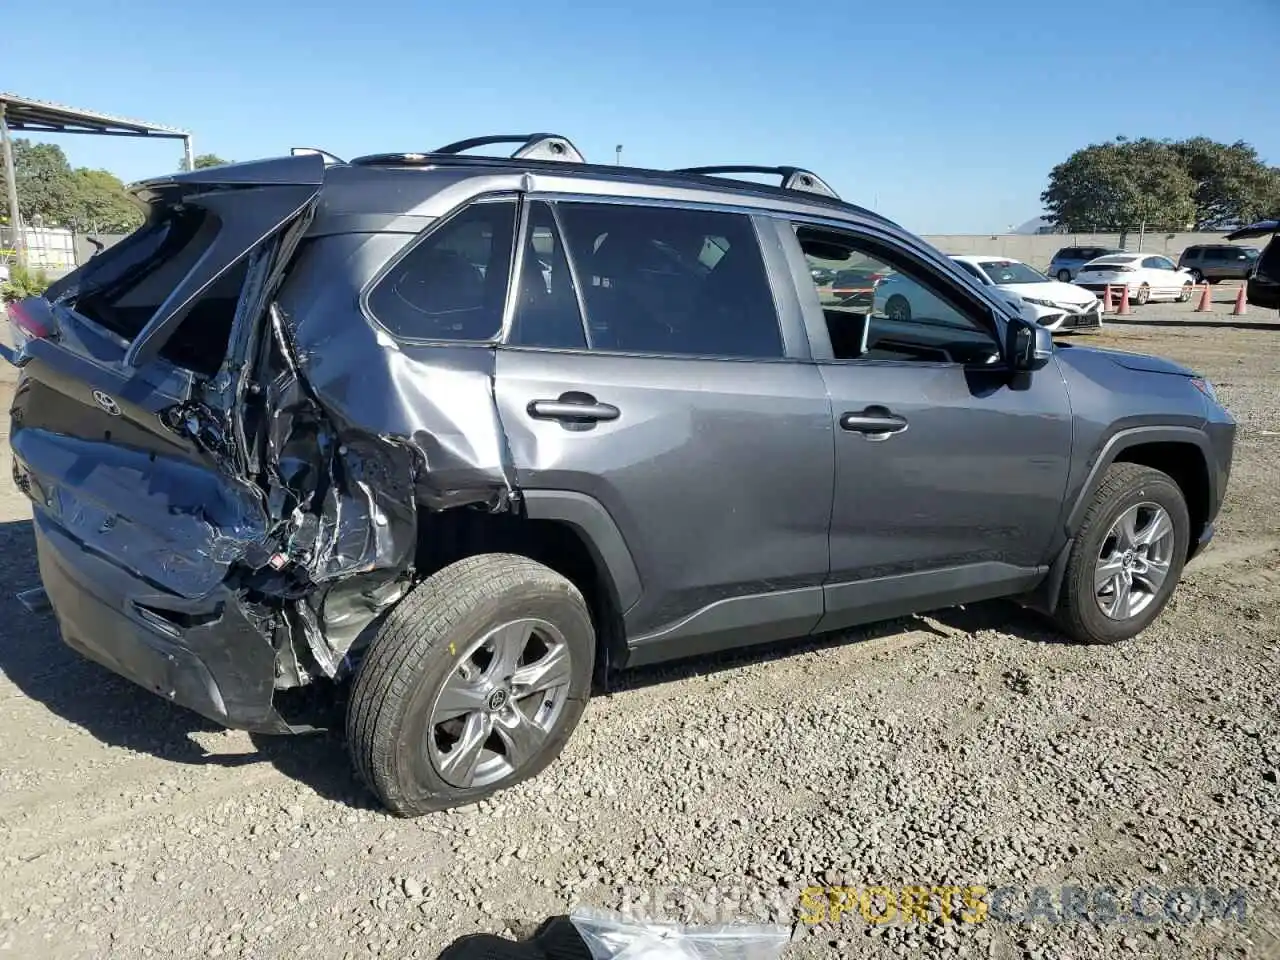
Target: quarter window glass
879, 309
671, 281
453, 284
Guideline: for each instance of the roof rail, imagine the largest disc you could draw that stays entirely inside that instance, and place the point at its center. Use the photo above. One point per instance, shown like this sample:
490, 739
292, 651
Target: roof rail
329, 158
793, 178
533, 146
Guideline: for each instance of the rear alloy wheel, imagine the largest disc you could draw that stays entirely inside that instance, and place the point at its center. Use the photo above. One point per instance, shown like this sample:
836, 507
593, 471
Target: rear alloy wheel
1197, 276
473, 683
1185, 295
897, 308
1064, 276
1127, 558
1144, 294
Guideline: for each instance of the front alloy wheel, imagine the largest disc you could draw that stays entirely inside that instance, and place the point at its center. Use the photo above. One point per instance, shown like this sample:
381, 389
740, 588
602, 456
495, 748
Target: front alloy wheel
1134, 561
1126, 556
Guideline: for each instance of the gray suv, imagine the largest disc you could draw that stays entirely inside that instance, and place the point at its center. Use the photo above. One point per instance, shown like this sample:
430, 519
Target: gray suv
472, 432
1215, 262
1066, 263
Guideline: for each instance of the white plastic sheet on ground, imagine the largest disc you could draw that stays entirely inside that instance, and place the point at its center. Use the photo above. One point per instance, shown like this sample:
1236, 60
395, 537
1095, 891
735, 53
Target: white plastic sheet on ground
611, 936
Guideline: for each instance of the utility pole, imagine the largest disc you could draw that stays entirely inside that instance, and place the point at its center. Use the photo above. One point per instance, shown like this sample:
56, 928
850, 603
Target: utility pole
11, 189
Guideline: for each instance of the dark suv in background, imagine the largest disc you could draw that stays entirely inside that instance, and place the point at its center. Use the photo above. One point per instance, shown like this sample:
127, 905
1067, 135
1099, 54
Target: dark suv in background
473, 431
1263, 289
1218, 261
1066, 263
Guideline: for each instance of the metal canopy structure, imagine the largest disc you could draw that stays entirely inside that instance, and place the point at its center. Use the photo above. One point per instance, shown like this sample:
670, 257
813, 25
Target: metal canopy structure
40, 116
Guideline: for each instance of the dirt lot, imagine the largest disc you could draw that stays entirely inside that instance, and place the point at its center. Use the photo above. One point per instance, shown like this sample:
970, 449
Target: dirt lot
968, 748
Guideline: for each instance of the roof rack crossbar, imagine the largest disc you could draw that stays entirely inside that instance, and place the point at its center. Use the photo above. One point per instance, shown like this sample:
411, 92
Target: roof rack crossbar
793, 178
533, 146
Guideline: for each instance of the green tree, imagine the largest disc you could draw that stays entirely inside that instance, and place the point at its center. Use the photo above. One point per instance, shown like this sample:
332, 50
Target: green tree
45, 183
209, 160
1232, 185
1121, 186
102, 205
82, 199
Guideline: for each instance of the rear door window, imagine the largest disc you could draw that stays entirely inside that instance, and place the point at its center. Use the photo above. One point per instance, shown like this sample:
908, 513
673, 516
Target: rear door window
452, 284
671, 281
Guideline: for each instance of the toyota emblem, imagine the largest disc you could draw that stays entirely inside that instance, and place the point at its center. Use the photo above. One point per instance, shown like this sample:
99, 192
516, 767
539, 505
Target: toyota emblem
106, 403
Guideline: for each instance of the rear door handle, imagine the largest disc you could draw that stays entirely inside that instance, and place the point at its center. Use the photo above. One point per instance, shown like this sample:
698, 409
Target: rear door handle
573, 408
876, 423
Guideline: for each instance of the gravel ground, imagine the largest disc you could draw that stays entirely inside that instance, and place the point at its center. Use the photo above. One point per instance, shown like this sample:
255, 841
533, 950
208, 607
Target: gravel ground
969, 747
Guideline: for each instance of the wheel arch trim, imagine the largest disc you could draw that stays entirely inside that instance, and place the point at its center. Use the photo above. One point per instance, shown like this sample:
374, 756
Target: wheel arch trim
599, 533
1127, 439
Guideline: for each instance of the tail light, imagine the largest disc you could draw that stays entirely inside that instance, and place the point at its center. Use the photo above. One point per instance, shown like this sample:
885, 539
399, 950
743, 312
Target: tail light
31, 318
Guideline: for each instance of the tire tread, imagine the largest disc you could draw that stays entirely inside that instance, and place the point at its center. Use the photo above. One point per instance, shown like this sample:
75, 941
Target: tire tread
414, 629
1119, 481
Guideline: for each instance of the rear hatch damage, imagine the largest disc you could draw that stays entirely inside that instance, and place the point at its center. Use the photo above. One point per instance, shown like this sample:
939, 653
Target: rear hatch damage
163, 424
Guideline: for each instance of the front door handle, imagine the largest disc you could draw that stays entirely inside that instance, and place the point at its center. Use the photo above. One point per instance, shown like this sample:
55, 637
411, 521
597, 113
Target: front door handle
876, 423
573, 408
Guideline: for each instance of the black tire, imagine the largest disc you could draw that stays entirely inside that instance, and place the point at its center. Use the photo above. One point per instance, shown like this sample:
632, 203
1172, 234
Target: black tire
897, 307
416, 649
1064, 276
1197, 276
1123, 486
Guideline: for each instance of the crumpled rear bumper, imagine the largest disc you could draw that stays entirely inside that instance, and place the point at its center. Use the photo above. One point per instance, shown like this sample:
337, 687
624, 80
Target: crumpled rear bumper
205, 654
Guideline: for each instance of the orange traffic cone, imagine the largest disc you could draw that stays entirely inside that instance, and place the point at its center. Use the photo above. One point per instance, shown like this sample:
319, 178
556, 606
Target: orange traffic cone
1206, 301
1124, 310
1108, 305
1241, 302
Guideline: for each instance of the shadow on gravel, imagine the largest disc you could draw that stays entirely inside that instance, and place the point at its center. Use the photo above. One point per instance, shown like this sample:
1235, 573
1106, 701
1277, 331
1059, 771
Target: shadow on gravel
121, 714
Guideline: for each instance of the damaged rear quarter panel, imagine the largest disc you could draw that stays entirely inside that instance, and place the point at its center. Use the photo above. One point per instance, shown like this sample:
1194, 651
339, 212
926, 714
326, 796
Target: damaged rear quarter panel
395, 427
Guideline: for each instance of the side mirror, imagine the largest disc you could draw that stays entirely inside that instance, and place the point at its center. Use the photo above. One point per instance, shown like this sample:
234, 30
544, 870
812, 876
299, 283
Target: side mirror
1030, 346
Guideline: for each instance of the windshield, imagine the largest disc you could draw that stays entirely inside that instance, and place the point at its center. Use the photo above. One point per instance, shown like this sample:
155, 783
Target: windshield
1011, 271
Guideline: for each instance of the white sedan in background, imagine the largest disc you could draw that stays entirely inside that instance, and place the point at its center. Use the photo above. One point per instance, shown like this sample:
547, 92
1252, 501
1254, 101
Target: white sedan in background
1147, 276
1050, 303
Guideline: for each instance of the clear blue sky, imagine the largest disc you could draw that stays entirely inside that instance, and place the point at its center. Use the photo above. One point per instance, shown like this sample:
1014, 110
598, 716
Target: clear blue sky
943, 114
